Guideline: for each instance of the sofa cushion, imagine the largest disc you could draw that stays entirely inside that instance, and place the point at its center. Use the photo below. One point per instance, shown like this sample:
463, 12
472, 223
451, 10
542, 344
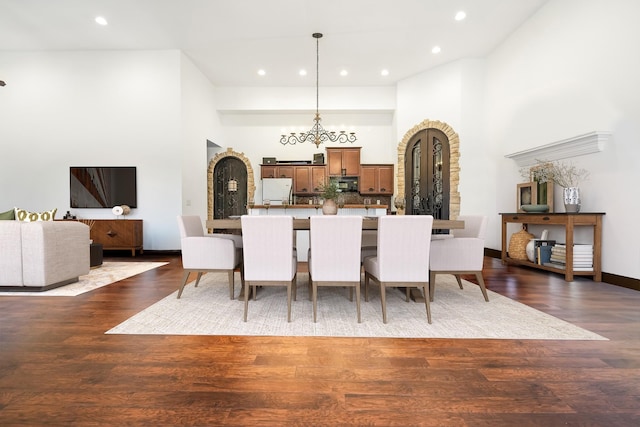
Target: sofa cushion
10, 214
26, 216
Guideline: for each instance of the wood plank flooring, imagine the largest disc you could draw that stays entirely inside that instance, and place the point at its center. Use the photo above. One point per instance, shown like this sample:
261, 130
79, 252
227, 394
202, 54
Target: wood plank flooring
57, 367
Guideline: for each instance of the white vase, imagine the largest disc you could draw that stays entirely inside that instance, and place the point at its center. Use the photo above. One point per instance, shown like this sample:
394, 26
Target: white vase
571, 199
329, 207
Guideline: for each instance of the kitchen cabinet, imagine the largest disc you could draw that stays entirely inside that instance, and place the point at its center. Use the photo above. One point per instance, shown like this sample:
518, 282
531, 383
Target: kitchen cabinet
343, 161
376, 179
309, 179
276, 171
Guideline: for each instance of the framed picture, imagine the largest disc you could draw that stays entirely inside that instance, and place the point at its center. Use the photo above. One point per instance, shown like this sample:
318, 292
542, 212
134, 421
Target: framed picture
545, 189
527, 194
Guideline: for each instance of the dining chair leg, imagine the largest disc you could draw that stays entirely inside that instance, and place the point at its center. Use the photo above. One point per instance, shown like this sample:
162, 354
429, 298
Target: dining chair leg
432, 284
482, 287
358, 301
383, 298
198, 278
185, 277
294, 283
459, 280
366, 287
231, 283
426, 302
289, 302
408, 293
314, 298
246, 299
310, 290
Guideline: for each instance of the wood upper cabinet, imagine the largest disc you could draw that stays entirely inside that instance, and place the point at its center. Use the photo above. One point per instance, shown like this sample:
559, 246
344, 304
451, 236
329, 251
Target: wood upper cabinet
276, 171
309, 179
343, 161
376, 179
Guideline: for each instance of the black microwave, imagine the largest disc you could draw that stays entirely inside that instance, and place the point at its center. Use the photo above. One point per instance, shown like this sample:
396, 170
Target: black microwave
347, 184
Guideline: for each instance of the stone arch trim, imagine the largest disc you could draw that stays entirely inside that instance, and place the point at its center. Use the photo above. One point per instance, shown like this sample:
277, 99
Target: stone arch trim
454, 158
251, 187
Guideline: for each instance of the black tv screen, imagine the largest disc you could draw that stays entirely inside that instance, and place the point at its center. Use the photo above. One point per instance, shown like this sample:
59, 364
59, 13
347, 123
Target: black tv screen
103, 187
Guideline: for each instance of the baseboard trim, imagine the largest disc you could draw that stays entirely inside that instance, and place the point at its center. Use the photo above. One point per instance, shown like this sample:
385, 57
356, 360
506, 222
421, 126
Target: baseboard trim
612, 279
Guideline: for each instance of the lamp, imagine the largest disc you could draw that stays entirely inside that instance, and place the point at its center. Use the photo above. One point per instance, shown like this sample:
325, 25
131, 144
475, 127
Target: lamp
232, 185
317, 134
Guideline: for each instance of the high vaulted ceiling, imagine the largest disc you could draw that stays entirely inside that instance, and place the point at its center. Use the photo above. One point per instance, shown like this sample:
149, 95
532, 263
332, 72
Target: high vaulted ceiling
229, 40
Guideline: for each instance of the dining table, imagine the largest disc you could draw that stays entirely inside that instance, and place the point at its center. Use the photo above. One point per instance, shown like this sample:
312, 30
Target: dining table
368, 223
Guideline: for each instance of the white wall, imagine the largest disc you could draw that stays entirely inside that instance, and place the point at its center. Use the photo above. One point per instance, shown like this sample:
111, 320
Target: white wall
253, 120
570, 70
199, 124
92, 109
454, 94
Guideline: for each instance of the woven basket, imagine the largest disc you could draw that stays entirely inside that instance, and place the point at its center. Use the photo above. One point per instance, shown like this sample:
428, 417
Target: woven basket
518, 244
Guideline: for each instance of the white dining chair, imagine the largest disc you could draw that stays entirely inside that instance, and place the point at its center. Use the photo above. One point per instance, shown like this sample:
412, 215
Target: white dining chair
461, 254
269, 256
207, 253
402, 258
334, 255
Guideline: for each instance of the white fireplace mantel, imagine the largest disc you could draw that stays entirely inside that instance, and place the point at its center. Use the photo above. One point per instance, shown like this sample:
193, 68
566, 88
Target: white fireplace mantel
592, 142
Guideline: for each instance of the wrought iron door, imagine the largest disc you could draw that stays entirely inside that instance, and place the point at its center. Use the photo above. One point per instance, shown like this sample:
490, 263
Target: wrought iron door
230, 188
427, 180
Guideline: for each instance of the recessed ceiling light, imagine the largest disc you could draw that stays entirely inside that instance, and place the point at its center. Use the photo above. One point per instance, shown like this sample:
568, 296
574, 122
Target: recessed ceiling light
461, 15
344, 73
384, 72
101, 20
261, 72
436, 49
302, 72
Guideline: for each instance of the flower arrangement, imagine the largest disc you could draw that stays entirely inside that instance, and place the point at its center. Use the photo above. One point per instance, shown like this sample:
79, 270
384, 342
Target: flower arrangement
564, 174
329, 190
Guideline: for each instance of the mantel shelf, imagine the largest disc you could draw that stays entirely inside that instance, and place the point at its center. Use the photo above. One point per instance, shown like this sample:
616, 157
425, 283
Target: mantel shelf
588, 143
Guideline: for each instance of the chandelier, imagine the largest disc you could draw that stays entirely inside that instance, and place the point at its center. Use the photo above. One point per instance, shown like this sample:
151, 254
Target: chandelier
317, 134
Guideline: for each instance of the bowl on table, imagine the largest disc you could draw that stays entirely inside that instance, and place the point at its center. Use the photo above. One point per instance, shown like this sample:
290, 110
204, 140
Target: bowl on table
535, 208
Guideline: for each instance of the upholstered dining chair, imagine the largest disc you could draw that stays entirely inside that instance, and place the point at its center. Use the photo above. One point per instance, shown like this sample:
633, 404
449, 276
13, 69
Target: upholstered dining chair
207, 253
461, 254
334, 255
269, 256
402, 258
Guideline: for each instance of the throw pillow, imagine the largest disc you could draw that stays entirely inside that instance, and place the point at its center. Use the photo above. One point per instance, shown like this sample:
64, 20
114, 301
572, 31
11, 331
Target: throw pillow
26, 216
10, 214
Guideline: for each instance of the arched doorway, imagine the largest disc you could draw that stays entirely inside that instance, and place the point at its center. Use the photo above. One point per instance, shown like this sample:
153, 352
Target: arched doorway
223, 168
428, 170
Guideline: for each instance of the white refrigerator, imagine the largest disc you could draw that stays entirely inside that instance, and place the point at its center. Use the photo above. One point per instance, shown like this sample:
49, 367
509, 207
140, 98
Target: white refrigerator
277, 189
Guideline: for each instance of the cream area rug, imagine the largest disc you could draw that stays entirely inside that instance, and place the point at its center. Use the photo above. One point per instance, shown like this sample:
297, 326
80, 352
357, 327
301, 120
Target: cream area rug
107, 273
456, 313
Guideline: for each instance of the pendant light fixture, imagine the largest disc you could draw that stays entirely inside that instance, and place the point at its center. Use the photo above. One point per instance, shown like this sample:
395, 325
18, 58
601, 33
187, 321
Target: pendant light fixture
317, 134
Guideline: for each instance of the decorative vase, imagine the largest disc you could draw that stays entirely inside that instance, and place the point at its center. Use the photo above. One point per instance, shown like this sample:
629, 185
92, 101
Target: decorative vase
571, 199
329, 207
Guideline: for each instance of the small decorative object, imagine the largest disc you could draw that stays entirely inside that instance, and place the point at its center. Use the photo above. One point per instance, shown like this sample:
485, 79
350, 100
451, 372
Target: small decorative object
126, 210
526, 195
329, 192
535, 208
518, 244
117, 210
566, 175
531, 246
398, 202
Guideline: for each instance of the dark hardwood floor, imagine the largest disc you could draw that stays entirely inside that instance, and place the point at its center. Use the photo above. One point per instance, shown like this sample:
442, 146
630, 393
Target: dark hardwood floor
57, 367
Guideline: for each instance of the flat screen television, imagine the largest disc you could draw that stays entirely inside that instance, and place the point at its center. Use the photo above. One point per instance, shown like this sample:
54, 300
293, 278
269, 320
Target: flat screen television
102, 187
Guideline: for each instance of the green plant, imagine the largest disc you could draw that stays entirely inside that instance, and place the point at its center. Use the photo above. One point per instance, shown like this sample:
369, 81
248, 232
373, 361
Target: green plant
564, 174
329, 190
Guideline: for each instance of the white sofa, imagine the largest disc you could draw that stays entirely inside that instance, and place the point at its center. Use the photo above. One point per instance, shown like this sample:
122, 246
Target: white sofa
36, 256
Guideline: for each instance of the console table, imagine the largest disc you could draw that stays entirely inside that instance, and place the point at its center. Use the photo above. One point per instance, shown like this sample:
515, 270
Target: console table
569, 221
118, 234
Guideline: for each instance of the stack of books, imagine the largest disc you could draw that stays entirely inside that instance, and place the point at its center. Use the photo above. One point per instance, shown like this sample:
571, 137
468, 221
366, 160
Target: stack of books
582, 257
